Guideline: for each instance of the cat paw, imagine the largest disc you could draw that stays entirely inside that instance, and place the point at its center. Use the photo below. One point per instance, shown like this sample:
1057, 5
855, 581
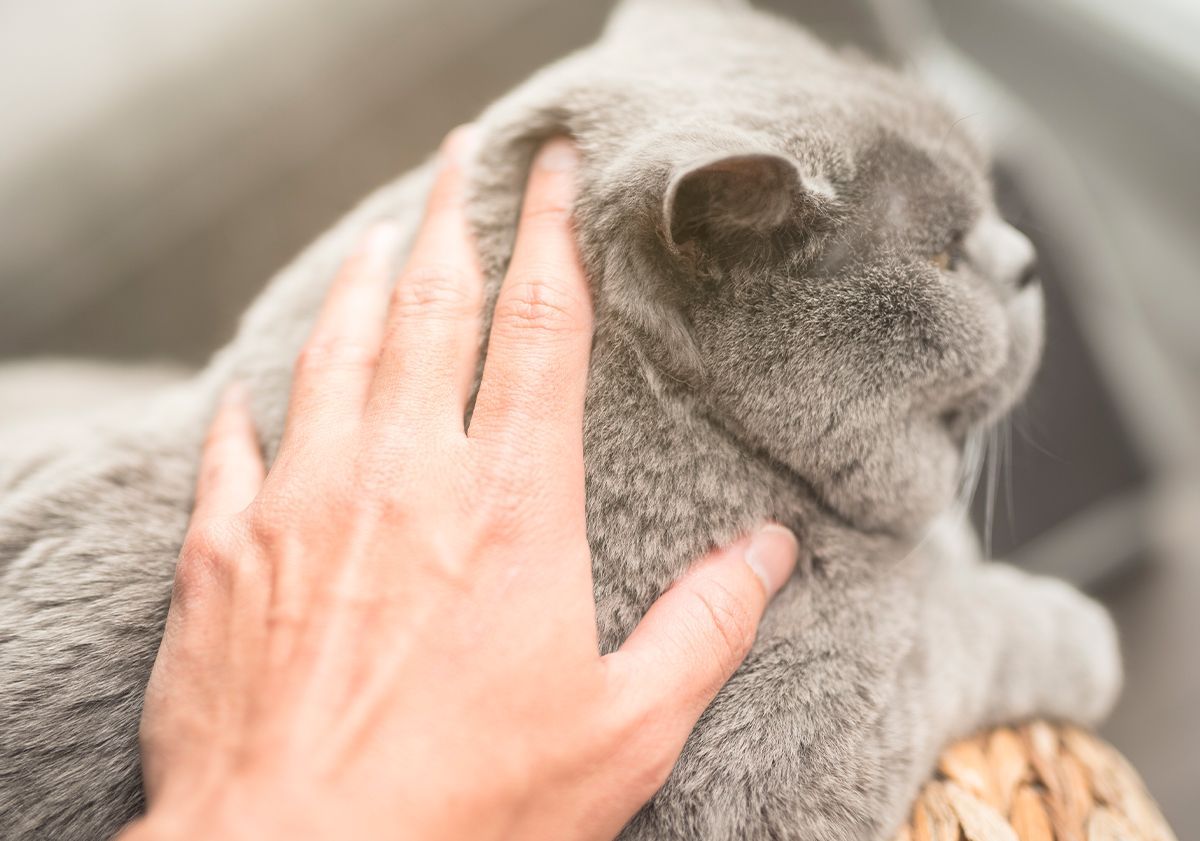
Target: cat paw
1087, 653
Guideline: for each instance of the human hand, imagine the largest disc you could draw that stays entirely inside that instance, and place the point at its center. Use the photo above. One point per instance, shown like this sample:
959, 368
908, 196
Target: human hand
392, 633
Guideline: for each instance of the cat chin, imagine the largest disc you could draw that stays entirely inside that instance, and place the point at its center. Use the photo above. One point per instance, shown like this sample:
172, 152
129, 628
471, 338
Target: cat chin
986, 404
1026, 330
1026, 314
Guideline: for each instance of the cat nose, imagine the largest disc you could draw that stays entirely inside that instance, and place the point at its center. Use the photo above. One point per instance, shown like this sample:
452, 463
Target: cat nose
1002, 253
1029, 275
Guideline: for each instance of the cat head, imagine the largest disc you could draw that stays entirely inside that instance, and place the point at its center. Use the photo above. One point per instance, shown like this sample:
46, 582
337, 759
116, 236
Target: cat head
819, 258
804, 242
857, 325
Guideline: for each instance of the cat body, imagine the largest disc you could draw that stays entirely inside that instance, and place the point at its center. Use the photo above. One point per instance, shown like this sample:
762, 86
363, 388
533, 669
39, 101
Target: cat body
805, 306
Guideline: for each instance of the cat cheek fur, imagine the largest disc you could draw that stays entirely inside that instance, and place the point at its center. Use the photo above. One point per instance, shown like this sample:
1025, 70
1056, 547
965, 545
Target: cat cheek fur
845, 379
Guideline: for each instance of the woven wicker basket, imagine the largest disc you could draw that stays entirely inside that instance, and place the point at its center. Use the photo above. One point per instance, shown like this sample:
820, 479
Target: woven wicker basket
1038, 782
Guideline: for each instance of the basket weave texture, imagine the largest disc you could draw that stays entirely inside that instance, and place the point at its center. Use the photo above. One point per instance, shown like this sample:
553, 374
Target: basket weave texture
1036, 782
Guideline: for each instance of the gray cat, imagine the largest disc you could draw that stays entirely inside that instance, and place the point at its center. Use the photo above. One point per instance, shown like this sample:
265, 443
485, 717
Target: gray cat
807, 307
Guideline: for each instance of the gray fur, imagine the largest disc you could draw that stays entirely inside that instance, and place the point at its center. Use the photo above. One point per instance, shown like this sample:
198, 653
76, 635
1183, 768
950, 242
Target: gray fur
758, 215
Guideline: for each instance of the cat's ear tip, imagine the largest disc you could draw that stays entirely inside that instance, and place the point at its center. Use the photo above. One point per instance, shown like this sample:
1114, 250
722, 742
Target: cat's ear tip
820, 187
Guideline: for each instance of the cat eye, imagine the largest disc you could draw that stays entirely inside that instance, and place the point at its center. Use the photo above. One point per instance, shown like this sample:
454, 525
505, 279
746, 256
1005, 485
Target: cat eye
948, 259
944, 260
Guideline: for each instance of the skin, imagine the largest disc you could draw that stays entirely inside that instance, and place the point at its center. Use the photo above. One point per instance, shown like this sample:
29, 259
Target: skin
392, 633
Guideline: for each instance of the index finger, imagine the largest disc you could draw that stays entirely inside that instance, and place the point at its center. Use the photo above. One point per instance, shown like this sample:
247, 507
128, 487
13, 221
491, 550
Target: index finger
535, 375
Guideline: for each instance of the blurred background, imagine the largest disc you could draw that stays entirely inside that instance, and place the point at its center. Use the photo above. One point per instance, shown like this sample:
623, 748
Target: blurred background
161, 160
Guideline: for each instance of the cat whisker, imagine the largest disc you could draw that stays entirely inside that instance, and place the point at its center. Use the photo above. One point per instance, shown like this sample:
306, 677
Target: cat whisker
1024, 424
989, 515
1008, 477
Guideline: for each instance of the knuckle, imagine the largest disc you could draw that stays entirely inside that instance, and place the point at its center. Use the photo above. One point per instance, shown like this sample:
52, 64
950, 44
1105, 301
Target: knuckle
210, 553
378, 473
267, 523
502, 515
381, 494
377, 495
435, 290
337, 354
209, 539
501, 493
193, 572
537, 303
728, 619
551, 210
218, 437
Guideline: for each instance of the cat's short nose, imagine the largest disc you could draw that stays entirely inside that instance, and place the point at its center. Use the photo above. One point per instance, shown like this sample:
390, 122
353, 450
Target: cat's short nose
1029, 274
1002, 253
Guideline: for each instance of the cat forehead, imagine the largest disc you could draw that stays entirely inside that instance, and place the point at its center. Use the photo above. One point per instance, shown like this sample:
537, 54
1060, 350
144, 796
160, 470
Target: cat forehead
736, 81
943, 172
911, 196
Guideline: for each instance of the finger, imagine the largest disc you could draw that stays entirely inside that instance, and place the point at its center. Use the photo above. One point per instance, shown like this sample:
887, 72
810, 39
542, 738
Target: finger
536, 370
334, 369
432, 337
231, 465
696, 635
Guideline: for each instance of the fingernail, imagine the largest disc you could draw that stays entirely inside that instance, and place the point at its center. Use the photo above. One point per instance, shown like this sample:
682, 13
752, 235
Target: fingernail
460, 144
557, 155
772, 555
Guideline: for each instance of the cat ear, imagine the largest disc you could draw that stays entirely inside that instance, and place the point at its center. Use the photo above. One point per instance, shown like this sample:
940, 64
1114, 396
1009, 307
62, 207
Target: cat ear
730, 200
722, 211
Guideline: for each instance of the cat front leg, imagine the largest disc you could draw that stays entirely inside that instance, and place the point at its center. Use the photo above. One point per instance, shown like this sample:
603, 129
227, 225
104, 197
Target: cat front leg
1019, 646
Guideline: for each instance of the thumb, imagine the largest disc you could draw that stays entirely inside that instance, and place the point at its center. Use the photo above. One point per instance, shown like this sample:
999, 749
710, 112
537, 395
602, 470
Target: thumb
696, 635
